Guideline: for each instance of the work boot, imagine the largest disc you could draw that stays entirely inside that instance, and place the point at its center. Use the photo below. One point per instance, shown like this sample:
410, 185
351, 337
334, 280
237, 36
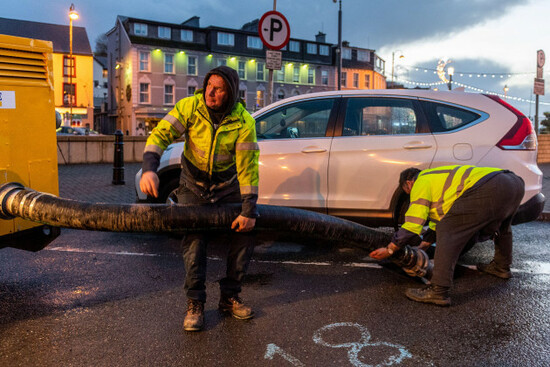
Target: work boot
194, 319
495, 270
435, 294
236, 307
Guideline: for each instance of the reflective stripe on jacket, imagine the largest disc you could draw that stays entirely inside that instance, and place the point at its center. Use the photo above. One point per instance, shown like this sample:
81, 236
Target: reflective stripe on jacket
211, 151
435, 190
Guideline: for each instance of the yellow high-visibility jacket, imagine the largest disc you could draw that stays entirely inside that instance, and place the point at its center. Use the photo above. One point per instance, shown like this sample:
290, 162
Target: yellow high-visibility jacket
435, 190
218, 155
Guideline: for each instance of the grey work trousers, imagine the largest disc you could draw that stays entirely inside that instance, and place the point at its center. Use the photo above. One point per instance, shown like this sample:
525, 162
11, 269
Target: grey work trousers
483, 211
240, 251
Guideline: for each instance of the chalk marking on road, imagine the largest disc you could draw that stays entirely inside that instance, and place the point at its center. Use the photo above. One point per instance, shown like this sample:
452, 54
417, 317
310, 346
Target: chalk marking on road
273, 349
78, 250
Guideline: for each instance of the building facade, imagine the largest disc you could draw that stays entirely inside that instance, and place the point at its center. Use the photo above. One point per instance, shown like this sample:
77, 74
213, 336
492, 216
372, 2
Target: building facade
153, 64
73, 82
362, 68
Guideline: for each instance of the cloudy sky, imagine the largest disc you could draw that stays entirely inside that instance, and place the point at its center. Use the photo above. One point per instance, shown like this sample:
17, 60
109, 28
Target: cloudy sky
491, 43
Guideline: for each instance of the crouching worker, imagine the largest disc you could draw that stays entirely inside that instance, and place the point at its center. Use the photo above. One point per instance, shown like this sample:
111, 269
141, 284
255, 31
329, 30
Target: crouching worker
463, 204
219, 165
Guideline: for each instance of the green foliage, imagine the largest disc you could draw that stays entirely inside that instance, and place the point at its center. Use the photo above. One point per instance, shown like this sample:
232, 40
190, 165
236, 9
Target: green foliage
545, 123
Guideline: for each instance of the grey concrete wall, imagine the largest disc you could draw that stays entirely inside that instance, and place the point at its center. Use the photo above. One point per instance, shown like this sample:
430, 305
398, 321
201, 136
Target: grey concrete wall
97, 149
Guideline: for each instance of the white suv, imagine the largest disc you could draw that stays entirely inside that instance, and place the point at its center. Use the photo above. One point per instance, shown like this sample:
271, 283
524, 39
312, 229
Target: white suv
341, 152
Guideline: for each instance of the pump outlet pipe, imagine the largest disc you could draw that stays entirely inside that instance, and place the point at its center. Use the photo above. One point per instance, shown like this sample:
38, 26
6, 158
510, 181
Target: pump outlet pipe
18, 201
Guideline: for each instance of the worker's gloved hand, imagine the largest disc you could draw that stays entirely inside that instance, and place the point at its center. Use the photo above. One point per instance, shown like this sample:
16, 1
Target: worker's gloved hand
243, 224
424, 245
380, 254
149, 184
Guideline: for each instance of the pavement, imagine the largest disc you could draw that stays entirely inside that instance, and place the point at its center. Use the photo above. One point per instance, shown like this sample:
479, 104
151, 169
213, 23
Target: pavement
93, 183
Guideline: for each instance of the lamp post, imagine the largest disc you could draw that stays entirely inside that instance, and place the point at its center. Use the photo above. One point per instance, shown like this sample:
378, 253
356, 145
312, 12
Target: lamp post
505, 90
339, 49
451, 71
401, 56
73, 15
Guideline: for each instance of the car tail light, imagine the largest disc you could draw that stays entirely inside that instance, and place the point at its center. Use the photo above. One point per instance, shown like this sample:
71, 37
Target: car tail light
522, 135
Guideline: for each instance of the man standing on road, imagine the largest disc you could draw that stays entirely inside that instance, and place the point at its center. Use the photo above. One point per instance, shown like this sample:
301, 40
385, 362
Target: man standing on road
464, 204
219, 165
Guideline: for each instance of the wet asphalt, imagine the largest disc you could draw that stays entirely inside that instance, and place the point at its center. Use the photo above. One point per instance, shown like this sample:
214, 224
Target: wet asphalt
116, 299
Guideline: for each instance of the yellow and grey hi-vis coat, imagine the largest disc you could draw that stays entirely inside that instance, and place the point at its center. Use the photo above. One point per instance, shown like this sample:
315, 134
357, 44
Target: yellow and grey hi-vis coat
434, 192
215, 162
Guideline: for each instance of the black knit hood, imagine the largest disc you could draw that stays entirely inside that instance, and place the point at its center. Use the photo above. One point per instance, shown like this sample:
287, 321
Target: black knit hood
231, 79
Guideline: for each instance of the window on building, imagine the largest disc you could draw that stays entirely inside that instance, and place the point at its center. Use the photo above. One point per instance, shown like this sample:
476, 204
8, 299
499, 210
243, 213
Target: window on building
363, 55
296, 74
324, 77
226, 39
165, 32
254, 42
260, 71
69, 69
140, 29
169, 63
311, 48
169, 94
280, 94
260, 103
186, 35
69, 94
242, 70
220, 62
96, 83
294, 46
344, 78
355, 80
311, 76
280, 75
191, 91
346, 53
367, 81
324, 50
144, 61
242, 94
144, 93
192, 65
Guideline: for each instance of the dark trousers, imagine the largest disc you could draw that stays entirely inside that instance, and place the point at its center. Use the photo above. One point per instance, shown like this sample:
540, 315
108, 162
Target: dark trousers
485, 211
240, 251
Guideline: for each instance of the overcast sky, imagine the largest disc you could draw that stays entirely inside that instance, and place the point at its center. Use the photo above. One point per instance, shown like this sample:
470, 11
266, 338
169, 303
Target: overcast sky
492, 37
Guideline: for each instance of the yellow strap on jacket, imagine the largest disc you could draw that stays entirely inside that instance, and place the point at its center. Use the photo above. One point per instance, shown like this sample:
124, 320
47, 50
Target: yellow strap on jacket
435, 190
233, 143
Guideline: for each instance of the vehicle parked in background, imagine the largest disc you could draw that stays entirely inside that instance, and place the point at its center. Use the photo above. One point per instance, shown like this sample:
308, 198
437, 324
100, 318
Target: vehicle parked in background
341, 152
68, 130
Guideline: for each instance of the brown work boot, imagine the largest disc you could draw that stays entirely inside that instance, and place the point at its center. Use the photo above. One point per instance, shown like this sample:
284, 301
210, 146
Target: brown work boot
236, 307
495, 270
194, 319
434, 294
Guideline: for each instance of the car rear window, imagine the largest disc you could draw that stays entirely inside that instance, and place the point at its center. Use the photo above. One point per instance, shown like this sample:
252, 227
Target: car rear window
452, 118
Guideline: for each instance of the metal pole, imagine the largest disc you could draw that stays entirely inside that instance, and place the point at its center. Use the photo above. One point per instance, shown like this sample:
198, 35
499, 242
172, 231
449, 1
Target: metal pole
118, 159
339, 49
450, 84
71, 72
537, 114
270, 87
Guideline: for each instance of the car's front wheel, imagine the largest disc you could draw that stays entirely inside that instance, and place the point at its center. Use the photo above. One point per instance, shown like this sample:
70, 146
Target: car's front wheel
167, 191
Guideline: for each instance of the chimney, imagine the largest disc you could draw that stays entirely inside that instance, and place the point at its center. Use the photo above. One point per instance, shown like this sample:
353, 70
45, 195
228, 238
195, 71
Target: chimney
192, 22
321, 37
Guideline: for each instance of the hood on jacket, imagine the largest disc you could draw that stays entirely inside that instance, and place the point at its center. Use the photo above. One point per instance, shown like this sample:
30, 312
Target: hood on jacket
231, 79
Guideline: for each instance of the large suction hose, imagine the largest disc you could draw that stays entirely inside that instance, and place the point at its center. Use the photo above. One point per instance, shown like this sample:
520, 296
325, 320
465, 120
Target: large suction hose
18, 201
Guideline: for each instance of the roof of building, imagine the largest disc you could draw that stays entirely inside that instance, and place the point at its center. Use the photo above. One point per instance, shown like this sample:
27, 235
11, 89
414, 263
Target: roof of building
57, 34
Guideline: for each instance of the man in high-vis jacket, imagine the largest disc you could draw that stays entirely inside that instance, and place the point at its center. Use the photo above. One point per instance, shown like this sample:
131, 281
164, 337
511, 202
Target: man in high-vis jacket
219, 165
463, 205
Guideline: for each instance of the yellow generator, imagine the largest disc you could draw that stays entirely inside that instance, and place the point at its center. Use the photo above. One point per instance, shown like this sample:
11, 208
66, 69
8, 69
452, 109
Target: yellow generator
28, 149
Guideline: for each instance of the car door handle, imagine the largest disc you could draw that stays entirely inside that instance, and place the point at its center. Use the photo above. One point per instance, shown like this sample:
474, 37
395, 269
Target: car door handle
313, 150
417, 146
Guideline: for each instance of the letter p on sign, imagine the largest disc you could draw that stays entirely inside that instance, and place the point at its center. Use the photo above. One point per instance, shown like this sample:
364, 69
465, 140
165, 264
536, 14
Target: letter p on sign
274, 30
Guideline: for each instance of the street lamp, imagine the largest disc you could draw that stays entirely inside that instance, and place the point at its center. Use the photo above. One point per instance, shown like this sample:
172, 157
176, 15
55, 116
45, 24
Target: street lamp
339, 49
401, 56
451, 71
73, 15
506, 89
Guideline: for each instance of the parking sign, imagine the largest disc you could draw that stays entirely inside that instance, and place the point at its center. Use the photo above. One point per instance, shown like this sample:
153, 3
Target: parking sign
274, 30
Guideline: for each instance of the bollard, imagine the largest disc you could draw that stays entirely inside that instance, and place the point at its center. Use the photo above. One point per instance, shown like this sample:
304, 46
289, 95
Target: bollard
118, 161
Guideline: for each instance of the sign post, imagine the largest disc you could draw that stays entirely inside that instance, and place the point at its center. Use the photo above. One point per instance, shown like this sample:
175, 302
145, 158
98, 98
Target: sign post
538, 89
274, 32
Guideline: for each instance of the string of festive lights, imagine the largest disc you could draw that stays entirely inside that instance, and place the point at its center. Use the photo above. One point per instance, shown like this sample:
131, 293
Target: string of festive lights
479, 90
469, 74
